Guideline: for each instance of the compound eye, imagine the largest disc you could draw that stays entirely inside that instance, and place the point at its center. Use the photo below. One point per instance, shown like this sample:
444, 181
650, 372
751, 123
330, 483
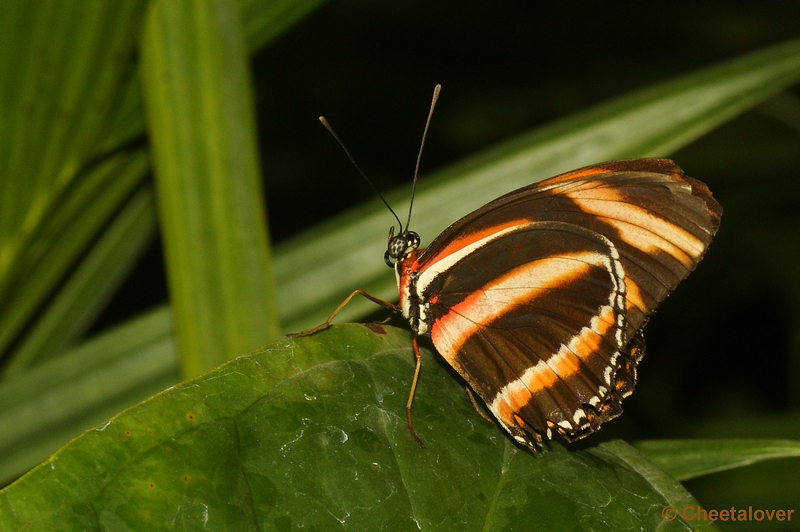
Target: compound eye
397, 247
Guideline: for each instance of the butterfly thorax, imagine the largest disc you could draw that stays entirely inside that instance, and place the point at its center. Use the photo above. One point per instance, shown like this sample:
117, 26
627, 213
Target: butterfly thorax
412, 303
401, 254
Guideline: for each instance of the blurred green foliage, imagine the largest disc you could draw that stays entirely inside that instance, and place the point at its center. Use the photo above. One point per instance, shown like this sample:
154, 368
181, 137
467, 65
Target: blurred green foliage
79, 247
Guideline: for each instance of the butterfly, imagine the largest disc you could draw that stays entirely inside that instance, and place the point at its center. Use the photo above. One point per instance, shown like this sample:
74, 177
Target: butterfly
538, 299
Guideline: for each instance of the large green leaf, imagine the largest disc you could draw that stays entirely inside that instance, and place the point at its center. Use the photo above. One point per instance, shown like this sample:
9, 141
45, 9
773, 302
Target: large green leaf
685, 459
90, 286
310, 433
200, 112
58, 399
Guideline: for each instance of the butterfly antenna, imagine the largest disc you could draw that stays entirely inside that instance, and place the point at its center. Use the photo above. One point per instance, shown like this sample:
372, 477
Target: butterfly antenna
332, 132
436, 91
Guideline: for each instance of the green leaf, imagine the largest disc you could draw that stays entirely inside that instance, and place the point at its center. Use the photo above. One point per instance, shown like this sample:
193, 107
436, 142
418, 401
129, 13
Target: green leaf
266, 20
78, 105
200, 119
70, 107
57, 93
57, 400
318, 269
310, 433
37, 261
686, 459
90, 285
659, 479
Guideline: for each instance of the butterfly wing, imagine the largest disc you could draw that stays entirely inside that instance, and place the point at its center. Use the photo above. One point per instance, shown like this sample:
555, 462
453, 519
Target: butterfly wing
539, 297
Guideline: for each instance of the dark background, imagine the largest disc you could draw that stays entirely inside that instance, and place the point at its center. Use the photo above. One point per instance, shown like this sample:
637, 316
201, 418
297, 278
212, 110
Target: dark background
724, 350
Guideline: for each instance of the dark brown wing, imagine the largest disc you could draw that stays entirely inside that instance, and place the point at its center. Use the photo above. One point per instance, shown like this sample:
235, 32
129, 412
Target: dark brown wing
660, 221
539, 339
538, 298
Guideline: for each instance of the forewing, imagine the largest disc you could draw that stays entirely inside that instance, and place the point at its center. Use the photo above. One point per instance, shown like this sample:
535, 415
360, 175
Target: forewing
659, 220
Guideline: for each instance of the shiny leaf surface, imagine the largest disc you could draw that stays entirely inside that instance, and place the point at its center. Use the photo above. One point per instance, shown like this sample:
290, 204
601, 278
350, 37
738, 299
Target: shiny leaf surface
310, 433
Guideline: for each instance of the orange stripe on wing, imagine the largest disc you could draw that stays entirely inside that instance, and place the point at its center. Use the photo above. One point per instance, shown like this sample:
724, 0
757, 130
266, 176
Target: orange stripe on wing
561, 366
637, 226
565, 363
503, 295
588, 341
590, 171
515, 396
469, 239
633, 296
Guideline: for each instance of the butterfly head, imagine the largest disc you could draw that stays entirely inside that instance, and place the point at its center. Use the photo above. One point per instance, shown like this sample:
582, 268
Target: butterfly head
400, 246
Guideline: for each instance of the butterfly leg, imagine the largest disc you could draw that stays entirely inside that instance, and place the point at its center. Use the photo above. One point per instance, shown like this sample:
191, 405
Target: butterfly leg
414, 389
327, 323
477, 408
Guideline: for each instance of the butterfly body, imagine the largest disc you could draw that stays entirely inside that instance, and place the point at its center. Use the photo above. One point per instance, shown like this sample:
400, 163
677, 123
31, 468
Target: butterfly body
538, 298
